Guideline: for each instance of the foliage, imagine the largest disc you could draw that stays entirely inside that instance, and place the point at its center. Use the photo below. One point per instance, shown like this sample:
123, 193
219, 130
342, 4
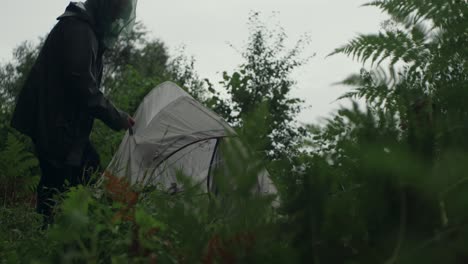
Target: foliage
383, 181
13, 74
18, 173
116, 222
12, 77
393, 171
19, 233
19, 170
265, 78
182, 71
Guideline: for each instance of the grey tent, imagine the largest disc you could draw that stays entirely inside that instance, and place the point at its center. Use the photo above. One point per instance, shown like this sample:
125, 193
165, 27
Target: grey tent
175, 133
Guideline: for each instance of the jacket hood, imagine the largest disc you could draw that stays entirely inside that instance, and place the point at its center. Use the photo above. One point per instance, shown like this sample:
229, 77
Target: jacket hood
78, 10
109, 18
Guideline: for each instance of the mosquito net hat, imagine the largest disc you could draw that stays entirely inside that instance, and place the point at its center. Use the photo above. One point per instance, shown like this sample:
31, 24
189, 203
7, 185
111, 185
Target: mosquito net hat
112, 18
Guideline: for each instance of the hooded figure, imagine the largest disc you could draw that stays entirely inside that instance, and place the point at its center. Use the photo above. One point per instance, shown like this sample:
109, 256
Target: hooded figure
61, 97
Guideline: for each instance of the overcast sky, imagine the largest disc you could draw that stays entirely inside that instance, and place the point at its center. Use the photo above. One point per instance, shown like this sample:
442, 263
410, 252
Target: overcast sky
206, 27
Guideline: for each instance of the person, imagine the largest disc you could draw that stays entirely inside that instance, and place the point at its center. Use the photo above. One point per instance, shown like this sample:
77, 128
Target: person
61, 96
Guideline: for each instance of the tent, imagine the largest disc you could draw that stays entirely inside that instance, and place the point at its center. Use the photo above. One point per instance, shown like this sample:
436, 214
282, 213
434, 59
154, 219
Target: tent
175, 134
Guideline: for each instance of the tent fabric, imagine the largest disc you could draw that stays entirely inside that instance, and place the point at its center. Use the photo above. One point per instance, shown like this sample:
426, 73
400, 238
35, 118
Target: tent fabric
174, 134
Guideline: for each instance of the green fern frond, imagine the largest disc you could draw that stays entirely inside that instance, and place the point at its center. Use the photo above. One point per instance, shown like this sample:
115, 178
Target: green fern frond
16, 160
394, 46
377, 87
438, 11
17, 167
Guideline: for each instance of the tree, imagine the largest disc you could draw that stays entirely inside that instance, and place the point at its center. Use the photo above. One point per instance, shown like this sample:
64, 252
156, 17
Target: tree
265, 78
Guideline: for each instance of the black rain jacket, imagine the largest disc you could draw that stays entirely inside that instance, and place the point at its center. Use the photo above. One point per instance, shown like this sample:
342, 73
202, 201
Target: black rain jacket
60, 98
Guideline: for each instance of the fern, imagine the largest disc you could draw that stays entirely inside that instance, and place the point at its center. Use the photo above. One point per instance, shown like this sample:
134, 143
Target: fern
440, 12
396, 46
17, 167
426, 27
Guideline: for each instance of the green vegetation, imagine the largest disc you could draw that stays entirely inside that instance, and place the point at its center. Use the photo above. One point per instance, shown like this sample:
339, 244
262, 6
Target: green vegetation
383, 181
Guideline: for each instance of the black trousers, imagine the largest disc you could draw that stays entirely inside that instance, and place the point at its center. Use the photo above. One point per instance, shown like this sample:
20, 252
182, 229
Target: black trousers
57, 179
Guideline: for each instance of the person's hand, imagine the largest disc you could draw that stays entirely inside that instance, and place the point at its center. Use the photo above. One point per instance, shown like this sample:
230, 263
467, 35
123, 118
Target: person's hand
128, 121
131, 122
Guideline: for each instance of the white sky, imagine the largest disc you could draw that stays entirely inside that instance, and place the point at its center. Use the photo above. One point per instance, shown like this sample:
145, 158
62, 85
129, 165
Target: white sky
206, 27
